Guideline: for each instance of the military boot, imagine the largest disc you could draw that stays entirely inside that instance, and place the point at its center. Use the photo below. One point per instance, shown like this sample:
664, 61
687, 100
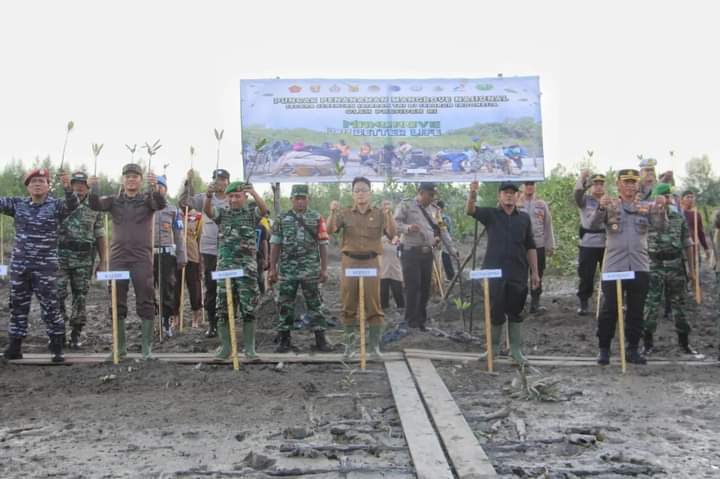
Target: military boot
374, 337
57, 342
121, 341
147, 339
584, 307
285, 343
321, 343
74, 342
223, 331
249, 339
212, 331
633, 356
515, 330
648, 344
604, 357
349, 338
684, 341
14, 348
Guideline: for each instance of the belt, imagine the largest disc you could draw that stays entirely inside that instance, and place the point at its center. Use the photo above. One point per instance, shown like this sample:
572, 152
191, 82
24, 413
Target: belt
666, 257
418, 249
165, 250
76, 246
360, 256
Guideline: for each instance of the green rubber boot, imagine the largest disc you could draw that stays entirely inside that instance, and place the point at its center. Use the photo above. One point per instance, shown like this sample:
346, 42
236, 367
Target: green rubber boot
122, 343
516, 342
223, 352
147, 340
374, 337
249, 339
349, 338
495, 340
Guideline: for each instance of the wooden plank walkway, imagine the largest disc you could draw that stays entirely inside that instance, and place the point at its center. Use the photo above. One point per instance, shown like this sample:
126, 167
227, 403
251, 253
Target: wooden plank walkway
466, 454
425, 449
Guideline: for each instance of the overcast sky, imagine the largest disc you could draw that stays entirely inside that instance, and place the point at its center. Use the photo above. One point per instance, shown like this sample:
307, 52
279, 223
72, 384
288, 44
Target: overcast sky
619, 77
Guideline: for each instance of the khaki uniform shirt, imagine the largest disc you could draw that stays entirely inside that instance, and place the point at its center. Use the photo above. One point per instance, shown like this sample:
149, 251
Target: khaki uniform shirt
588, 204
409, 213
541, 220
390, 267
361, 232
168, 234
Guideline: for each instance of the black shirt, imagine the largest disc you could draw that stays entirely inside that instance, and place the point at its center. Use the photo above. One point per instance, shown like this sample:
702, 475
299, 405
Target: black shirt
509, 239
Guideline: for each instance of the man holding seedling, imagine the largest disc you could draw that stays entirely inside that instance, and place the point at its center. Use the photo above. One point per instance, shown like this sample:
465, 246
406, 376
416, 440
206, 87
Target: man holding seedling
298, 259
81, 234
236, 250
132, 213
208, 237
34, 264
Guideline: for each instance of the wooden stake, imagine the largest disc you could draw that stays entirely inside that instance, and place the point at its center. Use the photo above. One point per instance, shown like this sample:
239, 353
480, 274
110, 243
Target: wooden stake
182, 276
621, 322
696, 259
231, 323
599, 287
113, 296
438, 278
488, 324
361, 314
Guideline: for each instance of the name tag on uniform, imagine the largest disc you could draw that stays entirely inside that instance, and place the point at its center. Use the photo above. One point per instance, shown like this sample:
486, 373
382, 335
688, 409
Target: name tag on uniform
618, 275
228, 273
486, 273
112, 275
361, 272
3, 270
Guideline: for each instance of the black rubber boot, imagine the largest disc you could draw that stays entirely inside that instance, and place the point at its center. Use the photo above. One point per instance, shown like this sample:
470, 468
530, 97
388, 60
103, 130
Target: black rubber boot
633, 356
56, 348
14, 348
321, 343
74, 342
648, 345
685, 344
535, 307
604, 357
584, 308
285, 344
212, 328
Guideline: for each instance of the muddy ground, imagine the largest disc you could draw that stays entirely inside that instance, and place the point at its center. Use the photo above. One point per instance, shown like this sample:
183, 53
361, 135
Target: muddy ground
166, 420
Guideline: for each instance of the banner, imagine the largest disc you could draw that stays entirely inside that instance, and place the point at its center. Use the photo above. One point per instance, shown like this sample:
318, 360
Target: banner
448, 130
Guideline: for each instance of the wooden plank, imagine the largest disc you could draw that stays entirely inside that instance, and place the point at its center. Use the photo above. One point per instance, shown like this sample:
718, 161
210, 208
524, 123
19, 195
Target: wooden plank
425, 449
467, 456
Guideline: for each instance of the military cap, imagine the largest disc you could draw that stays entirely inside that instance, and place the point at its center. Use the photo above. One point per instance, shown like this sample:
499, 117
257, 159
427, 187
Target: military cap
37, 173
79, 177
221, 173
299, 190
162, 180
235, 187
597, 177
629, 174
662, 189
648, 163
427, 186
529, 182
132, 168
508, 185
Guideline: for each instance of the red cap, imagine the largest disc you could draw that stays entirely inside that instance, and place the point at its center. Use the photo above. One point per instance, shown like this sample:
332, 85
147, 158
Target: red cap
40, 172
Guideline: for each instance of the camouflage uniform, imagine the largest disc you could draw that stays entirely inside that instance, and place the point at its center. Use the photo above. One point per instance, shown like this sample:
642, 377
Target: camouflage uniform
78, 236
34, 263
667, 273
236, 234
300, 266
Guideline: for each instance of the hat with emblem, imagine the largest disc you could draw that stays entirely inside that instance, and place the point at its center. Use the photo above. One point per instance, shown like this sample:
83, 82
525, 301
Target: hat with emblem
299, 190
648, 164
629, 174
132, 168
221, 173
427, 186
597, 177
662, 189
37, 173
235, 187
79, 177
508, 185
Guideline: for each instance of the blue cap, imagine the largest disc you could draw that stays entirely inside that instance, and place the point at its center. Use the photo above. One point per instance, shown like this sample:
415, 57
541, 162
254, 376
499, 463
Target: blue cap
162, 180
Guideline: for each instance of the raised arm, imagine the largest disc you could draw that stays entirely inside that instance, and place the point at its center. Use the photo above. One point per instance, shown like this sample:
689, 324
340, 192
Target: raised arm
334, 222
7, 205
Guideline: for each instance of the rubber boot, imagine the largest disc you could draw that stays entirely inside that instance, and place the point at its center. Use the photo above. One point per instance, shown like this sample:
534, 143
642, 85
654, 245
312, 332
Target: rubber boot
604, 357
633, 356
684, 341
584, 308
74, 342
212, 331
648, 343
321, 343
535, 307
249, 339
56, 348
285, 342
349, 338
167, 327
223, 332
374, 337
147, 339
14, 348
515, 330
122, 345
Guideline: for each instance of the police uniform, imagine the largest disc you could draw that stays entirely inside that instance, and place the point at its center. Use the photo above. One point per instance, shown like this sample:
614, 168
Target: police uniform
592, 242
300, 235
627, 227
34, 264
79, 237
169, 255
667, 274
131, 250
